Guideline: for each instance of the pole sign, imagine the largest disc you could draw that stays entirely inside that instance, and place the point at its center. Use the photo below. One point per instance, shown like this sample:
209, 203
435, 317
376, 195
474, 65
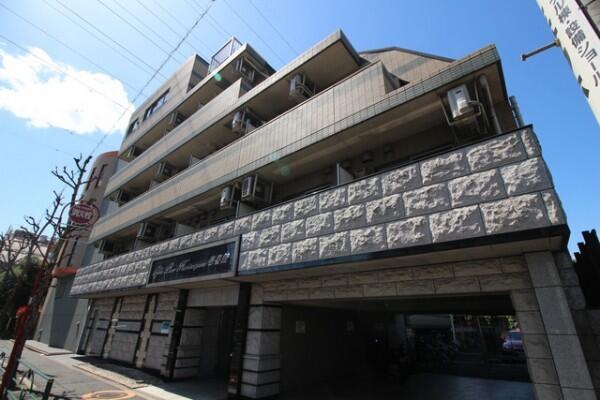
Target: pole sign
83, 215
580, 44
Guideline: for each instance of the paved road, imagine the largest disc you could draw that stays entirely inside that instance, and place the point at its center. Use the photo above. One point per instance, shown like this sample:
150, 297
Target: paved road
70, 382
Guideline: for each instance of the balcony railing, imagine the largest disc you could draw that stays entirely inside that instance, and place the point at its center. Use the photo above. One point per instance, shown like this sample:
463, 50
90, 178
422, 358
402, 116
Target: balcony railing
224, 53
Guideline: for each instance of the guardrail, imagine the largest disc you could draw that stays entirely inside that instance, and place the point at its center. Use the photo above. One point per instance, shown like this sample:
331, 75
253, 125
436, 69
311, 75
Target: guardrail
26, 384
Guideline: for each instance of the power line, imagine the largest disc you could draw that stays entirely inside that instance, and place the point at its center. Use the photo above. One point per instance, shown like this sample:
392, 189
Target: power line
100, 39
55, 66
200, 17
162, 21
148, 38
65, 45
167, 12
216, 27
151, 68
255, 33
274, 28
149, 28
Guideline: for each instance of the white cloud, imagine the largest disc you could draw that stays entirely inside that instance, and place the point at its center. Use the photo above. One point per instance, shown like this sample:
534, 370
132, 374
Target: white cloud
51, 94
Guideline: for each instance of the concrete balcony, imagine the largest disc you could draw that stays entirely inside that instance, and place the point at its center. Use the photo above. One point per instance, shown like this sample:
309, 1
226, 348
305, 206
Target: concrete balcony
326, 63
364, 97
487, 198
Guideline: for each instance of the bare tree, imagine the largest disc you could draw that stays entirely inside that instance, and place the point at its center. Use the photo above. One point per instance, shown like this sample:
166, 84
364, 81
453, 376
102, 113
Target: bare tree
56, 224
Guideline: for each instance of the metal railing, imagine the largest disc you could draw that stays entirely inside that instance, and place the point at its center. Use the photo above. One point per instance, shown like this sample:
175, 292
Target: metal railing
224, 53
26, 384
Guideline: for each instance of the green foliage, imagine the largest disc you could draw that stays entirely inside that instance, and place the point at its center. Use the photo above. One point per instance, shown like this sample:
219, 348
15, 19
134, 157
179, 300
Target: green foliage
15, 289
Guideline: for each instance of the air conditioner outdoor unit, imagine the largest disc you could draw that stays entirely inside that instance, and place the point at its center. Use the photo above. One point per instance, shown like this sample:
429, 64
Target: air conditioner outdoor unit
244, 68
106, 247
193, 160
228, 198
147, 231
165, 171
256, 190
153, 183
460, 102
176, 118
244, 121
301, 88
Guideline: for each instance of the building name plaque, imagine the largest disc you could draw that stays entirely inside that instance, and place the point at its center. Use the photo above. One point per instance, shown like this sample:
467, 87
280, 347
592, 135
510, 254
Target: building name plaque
206, 261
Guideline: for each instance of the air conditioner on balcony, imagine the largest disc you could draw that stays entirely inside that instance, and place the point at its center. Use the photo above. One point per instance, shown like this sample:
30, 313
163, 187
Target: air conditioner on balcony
193, 160
133, 152
106, 247
147, 231
256, 190
153, 183
245, 69
244, 121
165, 171
176, 118
122, 196
228, 197
460, 102
301, 88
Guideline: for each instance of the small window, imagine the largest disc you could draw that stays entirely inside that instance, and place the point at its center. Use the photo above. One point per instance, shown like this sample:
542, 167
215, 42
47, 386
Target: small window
156, 105
133, 127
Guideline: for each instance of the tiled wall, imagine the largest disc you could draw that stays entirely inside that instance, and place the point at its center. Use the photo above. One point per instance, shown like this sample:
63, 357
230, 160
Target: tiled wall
496, 186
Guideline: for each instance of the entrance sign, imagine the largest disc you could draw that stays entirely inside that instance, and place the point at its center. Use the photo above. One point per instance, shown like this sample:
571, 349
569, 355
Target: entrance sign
83, 215
207, 261
580, 43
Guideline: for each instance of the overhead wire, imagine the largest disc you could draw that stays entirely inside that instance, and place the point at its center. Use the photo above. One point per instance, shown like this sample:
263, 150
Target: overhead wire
185, 36
140, 66
66, 72
168, 26
64, 44
296, 52
173, 18
253, 31
151, 68
217, 27
148, 38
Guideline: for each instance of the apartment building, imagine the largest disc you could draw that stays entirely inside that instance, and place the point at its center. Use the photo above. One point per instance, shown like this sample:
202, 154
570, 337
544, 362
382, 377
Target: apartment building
62, 317
280, 229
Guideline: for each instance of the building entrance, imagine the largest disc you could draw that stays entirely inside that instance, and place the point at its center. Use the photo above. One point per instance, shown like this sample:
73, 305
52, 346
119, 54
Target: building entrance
425, 349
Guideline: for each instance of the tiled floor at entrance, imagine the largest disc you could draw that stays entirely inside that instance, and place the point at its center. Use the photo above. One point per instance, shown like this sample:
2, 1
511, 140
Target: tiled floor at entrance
419, 387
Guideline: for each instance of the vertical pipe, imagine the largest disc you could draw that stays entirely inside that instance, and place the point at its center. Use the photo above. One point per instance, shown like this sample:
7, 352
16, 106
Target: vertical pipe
486, 88
516, 111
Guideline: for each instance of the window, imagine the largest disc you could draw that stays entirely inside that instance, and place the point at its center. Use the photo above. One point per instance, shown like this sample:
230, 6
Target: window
156, 105
100, 175
133, 127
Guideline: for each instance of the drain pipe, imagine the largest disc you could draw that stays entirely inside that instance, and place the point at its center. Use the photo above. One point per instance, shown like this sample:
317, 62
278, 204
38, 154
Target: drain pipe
486, 88
516, 111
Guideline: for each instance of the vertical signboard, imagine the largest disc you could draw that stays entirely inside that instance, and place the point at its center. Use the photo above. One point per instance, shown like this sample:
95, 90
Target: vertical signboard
580, 44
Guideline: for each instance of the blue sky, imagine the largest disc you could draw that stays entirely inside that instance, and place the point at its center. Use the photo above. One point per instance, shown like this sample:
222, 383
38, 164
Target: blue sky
74, 90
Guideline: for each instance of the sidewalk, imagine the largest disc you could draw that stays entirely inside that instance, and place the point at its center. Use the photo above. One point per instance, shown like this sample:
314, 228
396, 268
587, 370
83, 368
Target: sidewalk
81, 377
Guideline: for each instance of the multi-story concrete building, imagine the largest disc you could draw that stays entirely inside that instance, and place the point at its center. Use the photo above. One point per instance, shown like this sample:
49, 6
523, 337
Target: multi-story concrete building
61, 320
277, 228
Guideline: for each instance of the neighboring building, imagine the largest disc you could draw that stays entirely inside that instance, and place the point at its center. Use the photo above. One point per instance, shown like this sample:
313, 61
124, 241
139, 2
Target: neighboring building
279, 228
62, 317
20, 245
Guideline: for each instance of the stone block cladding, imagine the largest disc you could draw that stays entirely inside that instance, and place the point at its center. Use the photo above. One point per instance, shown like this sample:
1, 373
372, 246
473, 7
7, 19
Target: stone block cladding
495, 186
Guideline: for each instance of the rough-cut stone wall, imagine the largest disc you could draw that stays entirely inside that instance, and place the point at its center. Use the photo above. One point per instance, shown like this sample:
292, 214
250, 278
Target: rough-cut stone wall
496, 186
124, 340
469, 277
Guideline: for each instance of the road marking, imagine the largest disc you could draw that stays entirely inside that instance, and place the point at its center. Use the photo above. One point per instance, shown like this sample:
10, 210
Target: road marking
109, 395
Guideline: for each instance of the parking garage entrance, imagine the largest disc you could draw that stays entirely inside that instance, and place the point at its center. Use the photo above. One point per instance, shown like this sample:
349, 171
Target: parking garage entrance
438, 348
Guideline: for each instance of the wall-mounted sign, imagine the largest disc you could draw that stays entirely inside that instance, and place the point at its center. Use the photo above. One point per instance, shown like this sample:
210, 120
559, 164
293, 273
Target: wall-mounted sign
579, 42
207, 261
83, 215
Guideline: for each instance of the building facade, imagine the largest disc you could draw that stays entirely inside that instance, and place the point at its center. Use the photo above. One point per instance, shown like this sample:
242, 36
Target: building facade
278, 228
62, 317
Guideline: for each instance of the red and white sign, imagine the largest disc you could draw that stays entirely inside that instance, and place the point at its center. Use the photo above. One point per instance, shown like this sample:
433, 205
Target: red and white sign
83, 214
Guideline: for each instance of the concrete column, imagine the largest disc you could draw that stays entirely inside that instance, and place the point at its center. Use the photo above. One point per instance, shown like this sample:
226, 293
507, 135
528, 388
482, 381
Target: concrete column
146, 332
262, 358
554, 354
